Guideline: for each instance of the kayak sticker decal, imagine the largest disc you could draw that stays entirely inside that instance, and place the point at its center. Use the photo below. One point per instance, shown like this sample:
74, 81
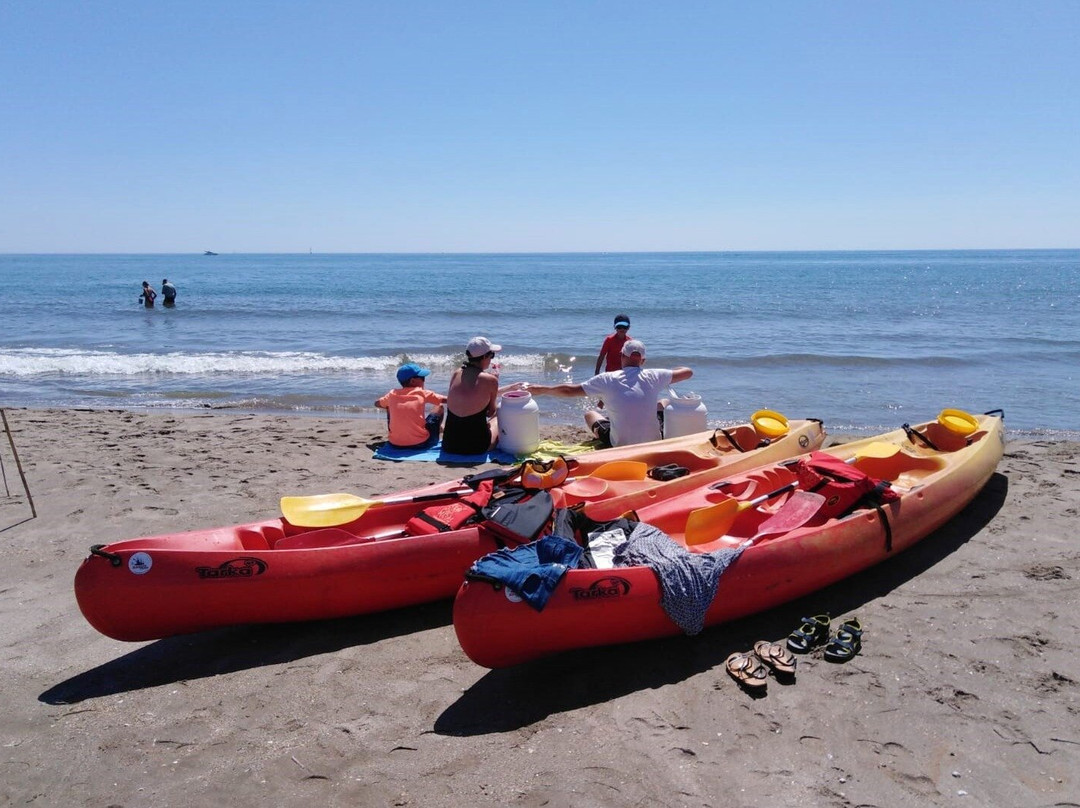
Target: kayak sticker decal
246, 567
803, 441
140, 563
602, 589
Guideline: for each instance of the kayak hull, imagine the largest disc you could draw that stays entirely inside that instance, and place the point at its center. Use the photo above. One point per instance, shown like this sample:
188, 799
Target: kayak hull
603, 607
273, 571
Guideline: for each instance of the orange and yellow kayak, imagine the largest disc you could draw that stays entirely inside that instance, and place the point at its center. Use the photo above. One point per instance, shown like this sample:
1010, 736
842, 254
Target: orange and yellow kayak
937, 468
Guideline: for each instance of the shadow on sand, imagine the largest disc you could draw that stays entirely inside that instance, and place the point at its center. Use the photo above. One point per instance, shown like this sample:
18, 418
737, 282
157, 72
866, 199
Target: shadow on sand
518, 697
16, 524
210, 653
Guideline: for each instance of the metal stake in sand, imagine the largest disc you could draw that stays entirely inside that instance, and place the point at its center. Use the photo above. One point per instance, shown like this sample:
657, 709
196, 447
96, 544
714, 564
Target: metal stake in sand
18, 465
3, 471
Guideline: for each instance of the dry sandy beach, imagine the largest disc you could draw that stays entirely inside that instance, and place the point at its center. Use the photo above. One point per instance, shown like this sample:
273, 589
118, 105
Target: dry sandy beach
967, 691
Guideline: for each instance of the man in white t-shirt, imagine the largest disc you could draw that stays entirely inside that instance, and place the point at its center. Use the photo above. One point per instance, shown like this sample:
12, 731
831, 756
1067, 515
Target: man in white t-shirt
631, 396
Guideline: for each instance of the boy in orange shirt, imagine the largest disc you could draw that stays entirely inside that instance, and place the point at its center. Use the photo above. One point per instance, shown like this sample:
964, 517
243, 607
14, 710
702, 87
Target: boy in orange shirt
405, 408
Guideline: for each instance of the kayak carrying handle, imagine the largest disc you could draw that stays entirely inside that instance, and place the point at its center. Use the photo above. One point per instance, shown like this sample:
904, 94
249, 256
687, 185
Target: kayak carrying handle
98, 550
996, 412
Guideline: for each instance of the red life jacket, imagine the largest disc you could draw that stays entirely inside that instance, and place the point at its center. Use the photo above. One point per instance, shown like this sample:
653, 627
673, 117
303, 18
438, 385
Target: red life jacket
844, 487
451, 515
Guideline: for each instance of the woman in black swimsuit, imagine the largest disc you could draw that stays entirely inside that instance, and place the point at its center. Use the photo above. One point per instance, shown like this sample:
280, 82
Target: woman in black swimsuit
468, 435
471, 427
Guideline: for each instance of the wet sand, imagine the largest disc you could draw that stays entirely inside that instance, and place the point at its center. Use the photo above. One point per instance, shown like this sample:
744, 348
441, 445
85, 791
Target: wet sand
967, 691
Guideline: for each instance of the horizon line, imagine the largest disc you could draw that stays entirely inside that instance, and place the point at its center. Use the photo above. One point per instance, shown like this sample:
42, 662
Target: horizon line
202, 254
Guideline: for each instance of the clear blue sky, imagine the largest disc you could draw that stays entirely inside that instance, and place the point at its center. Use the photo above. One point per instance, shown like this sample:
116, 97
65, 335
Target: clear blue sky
406, 126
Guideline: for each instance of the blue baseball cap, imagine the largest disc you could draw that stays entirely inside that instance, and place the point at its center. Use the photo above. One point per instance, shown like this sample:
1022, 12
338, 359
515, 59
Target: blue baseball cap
406, 373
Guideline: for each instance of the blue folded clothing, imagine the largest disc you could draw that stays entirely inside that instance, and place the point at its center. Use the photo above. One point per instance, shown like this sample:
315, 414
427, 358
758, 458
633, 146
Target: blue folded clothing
435, 454
531, 570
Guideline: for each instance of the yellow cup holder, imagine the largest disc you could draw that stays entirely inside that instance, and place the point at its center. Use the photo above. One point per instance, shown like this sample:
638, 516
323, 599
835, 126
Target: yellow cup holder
769, 423
958, 422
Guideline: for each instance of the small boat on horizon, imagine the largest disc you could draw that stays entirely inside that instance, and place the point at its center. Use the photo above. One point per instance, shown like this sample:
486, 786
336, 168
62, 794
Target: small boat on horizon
209, 252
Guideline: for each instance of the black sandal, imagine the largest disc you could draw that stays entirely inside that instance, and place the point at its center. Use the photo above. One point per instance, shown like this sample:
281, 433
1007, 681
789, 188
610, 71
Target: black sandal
813, 632
846, 643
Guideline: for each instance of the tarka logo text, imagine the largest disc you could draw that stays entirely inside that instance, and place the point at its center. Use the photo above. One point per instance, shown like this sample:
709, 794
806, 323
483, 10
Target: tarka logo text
234, 568
610, 587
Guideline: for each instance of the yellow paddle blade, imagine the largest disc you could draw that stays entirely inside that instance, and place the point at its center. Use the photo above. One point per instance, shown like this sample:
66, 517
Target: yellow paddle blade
324, 510
621, 470
706, 524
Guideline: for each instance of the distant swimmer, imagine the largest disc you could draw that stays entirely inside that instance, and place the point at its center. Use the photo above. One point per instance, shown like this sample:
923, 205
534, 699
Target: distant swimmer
147, 296
168, 291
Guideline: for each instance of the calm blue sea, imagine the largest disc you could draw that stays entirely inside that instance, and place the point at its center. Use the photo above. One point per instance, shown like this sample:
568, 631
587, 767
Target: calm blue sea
863, 340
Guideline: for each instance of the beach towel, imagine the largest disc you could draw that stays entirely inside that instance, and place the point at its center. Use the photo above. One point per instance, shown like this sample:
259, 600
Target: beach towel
547, 450
550, 449
435, 454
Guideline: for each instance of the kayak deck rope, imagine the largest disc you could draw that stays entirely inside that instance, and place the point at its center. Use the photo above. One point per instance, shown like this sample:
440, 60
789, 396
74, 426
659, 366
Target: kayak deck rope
98, 550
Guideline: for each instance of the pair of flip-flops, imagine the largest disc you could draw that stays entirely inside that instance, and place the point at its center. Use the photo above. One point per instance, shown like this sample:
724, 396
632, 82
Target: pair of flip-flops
751, 668
814, 631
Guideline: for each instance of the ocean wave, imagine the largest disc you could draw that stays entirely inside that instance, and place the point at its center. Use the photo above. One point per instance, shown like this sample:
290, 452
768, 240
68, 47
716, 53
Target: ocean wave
38, 362
813, 360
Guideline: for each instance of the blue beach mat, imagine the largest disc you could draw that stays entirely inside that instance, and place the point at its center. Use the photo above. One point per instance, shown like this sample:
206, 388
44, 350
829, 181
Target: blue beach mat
435, 454
547, 450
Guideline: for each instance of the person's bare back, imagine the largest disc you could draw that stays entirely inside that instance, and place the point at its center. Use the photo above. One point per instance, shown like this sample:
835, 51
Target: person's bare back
472, 390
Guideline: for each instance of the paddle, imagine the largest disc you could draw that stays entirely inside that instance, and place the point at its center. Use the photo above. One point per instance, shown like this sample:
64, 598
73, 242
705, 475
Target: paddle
707, 524
796, 512
330, 510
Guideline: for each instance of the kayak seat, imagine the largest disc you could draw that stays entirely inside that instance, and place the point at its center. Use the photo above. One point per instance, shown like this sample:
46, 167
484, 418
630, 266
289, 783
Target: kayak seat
260, 538
902, 467
936, 437
683, 457
315, 539
735, 439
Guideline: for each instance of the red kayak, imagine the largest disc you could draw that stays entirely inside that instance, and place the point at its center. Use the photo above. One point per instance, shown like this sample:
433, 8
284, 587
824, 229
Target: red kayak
787, 550
358, 556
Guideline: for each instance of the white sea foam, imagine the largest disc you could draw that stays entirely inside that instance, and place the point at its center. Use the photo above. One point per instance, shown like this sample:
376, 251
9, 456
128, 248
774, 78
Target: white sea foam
866, 339
31, 362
